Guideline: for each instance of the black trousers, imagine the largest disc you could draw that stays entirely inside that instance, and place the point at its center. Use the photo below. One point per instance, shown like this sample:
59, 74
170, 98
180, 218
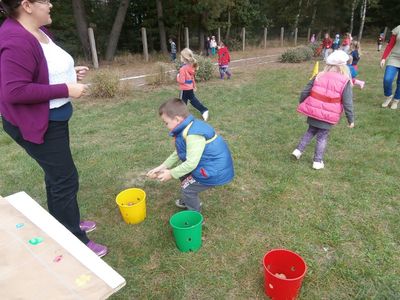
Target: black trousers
189, 95
60, 174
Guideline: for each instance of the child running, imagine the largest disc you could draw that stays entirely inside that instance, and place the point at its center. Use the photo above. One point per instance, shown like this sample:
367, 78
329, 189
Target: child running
322, 101
187, 83
355, 56
224, 59
205, 156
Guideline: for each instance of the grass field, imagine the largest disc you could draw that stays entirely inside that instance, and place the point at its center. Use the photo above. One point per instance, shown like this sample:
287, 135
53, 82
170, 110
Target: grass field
343, 220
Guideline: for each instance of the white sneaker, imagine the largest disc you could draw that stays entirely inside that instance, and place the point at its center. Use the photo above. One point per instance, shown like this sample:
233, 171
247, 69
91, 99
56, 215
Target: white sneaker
318, 165
296, 153
387, 101
205, 115
394, 104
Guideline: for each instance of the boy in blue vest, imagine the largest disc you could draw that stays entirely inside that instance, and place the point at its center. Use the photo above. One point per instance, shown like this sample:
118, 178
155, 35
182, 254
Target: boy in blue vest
205, 156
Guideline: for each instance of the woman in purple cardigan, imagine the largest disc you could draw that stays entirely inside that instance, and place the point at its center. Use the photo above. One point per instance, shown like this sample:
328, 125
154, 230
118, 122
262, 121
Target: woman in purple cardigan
37, 82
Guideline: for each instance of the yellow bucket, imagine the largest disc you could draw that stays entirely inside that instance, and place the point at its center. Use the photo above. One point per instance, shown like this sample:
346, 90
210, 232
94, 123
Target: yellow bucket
132, 205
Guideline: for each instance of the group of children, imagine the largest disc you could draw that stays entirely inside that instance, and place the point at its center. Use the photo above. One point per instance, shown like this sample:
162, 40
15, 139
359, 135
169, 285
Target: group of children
204, 156
349, 46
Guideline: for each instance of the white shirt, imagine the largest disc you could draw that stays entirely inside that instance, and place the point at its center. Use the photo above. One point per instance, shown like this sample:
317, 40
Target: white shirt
61, 69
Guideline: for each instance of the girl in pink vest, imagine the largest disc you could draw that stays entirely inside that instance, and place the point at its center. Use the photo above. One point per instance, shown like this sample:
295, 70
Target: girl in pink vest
322, 101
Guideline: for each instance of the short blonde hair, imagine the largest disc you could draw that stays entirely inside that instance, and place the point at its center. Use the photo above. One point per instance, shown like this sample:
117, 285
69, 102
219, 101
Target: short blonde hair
174, 108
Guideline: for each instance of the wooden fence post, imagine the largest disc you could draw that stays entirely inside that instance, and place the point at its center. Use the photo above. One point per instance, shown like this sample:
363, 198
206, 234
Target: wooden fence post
282, 34
144, 42
265, 37
93, 48
187, 37
219, 34
308, 35
295, 36
244, 38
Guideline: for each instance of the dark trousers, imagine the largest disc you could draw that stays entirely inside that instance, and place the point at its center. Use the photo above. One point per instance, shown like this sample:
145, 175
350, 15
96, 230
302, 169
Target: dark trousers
189, 95
60, 174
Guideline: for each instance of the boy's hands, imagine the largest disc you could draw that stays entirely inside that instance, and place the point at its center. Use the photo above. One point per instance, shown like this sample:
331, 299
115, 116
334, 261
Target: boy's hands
154, 173
351, 125
164, 175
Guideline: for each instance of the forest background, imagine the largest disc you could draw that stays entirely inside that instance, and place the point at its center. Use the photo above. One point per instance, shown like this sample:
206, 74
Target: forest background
117, 23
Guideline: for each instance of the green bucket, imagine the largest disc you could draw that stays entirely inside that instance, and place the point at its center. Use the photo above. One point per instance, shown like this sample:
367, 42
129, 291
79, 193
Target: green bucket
186, 226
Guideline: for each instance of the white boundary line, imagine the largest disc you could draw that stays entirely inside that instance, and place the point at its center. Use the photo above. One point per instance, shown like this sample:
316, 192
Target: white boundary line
171, 71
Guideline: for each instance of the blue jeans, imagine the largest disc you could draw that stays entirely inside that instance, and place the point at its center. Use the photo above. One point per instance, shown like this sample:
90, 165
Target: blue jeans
390, 74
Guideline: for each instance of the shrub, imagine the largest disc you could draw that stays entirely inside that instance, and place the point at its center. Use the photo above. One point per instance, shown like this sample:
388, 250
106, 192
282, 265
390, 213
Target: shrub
298, 54
314, 47
162, 74
105, 84
205, 70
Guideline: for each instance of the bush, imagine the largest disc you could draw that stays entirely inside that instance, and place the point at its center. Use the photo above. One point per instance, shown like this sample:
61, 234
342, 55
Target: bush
105, 84
297, 55
163, 74
205, 70
314, 47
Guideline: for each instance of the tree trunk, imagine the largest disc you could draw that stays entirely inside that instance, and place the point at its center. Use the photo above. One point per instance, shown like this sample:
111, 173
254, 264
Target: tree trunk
296, 21
161, 27
81, 25
353, 8
228, 30
116, 29
202, 26
314, 14
363, 12
179, 38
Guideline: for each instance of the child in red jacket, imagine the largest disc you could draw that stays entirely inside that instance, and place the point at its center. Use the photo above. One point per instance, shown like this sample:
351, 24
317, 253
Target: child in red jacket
187, 83
223, 60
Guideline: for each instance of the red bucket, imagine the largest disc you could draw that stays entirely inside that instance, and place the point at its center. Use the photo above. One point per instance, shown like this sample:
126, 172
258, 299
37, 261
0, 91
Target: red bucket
284, 273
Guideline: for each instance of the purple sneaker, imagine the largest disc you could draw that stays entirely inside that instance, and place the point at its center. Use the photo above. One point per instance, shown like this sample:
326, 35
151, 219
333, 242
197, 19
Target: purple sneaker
87, 226
100, 250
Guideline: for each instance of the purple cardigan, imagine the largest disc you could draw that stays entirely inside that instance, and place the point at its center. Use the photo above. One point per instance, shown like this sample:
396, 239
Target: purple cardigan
25, 91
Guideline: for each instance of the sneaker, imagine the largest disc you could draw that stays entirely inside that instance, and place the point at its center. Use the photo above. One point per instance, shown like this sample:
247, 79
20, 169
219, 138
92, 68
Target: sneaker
205, 115
179, 204
394, 104
296, 153
100, 250
318, 165
87, 226
387, 101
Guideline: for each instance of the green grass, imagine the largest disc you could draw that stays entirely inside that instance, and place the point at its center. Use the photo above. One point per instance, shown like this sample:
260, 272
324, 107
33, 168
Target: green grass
343, 220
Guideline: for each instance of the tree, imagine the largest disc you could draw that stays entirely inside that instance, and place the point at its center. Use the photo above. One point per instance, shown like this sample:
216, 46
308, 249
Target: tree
353, 7
81, 25
116, 29
161, 27
362, 16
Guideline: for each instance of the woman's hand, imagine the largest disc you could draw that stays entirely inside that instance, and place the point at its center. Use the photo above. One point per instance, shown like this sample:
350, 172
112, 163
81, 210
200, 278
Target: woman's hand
383, 63
77, 90
81, 72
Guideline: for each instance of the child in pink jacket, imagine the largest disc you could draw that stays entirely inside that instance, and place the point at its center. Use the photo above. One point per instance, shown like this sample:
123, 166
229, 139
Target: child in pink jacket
187, 83
322, 101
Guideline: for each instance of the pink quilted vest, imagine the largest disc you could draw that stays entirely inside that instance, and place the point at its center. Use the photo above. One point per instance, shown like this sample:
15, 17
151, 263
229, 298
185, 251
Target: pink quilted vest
325, 100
